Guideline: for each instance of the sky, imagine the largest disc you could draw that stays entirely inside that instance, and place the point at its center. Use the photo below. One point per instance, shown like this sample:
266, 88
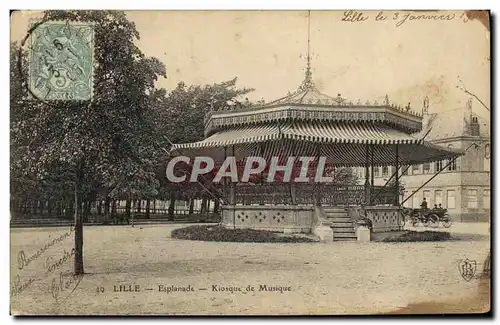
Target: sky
407, 59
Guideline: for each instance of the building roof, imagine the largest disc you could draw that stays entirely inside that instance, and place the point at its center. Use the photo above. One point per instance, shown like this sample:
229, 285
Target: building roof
451, 124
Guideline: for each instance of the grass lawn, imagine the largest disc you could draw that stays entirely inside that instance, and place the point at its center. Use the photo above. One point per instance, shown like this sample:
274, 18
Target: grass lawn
222, 234
419, 236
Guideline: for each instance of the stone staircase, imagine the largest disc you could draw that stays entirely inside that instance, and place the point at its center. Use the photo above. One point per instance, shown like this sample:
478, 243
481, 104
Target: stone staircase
341, 224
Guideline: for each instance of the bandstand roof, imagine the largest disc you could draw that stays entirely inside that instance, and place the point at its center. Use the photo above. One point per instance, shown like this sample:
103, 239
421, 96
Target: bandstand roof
343, 143
310, 123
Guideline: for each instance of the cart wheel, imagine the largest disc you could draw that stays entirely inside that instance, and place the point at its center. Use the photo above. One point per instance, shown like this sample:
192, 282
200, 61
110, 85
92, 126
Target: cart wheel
433, 221
414, 222
447, 223
425, 222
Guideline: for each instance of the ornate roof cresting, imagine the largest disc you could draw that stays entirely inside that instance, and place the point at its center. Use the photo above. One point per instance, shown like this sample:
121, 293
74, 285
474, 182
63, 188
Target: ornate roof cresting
309, 97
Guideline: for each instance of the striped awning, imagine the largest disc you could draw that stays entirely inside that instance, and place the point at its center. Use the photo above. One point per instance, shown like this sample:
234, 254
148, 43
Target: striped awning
344, 144
238, 135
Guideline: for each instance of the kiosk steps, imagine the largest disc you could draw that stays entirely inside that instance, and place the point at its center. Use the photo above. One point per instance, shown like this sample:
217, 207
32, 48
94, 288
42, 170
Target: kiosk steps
341, 224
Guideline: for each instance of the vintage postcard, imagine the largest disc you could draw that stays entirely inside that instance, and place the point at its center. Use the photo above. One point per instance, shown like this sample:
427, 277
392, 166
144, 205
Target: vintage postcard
250, 162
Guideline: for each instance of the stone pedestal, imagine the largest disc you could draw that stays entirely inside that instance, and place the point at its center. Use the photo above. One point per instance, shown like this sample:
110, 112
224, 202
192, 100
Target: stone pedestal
324, 233
363, 234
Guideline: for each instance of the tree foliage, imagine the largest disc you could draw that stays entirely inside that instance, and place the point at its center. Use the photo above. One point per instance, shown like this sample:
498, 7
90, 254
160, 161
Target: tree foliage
182, 112
106, 142
115, 145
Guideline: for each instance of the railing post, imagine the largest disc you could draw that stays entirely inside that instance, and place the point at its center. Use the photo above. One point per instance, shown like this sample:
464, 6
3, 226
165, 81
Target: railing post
371, 166
232, 191
293, 193
367, 176
397, 176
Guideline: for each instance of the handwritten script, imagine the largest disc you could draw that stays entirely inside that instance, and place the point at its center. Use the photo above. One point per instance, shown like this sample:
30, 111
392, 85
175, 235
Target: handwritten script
64, 281
401, 18
23, 260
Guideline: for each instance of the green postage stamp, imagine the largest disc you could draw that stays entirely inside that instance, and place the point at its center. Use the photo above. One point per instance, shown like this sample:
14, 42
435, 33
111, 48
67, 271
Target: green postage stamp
61, 61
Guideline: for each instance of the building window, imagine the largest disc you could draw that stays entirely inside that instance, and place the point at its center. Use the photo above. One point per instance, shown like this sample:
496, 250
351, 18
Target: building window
472, 199
438, 197
450, 199
385, 171
486, 199
376, 172
415, 202
487, 154
415, 169
439, 165
427, 196
427, 168
453, 165
407, 203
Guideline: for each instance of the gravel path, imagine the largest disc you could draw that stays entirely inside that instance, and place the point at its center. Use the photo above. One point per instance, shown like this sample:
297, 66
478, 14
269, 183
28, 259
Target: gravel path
309, 278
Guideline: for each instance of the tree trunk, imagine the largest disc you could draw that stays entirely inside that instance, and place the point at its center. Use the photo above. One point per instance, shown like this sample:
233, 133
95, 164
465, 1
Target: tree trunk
203, 208
191, 206
113, 207
58, 209
99, 207
106, 217
87, 209
78, 266
171, 207
70, 210
134, 202
148, 206
216, 206
83, 207
128, 203
49, 208
154, 206
138, 203
33, 208
39, 206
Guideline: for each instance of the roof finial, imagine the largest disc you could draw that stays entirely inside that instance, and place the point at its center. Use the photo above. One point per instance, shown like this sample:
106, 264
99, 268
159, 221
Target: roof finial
308, 83
425, 108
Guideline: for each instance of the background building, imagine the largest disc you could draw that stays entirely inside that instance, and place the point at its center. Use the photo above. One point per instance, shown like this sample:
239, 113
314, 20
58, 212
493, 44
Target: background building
464, 186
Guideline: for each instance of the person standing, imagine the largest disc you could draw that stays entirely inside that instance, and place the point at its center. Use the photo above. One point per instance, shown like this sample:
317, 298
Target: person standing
424, 204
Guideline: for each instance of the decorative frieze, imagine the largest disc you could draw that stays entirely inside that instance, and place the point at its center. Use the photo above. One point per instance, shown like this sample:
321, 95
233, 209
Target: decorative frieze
385, 114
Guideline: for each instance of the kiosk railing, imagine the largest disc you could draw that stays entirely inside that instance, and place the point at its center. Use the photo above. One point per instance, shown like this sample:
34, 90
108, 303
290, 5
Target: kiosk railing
309, 194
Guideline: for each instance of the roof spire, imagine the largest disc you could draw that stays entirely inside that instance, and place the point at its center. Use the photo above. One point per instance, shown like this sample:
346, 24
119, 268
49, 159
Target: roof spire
308, 83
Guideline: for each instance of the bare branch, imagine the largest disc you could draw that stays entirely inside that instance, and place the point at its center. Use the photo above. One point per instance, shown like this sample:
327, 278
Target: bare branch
462, 88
